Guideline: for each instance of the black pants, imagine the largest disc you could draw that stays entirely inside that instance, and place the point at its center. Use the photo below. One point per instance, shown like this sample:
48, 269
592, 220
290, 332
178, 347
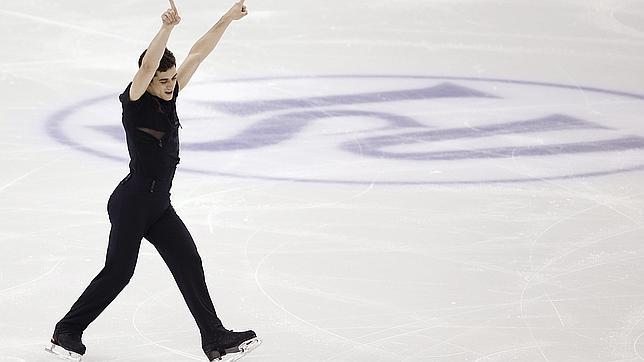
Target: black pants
139, 208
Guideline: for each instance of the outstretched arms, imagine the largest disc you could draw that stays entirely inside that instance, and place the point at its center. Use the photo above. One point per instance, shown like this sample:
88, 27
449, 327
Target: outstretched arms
205, 45
153, 55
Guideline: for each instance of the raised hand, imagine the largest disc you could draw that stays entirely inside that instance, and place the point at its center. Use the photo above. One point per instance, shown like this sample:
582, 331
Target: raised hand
238, 10
171, 16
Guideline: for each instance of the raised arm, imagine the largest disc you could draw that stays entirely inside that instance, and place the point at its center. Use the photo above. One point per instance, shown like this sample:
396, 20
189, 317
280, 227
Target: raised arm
205, 45
153, 55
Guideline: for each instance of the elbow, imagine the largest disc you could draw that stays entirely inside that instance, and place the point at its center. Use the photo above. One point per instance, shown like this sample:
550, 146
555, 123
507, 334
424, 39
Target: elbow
195, 54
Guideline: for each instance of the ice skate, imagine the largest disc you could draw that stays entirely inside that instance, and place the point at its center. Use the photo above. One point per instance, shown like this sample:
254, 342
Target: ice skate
67, 347
231, 346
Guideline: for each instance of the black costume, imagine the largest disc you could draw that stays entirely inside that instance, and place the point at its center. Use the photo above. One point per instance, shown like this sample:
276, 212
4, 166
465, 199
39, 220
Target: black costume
140, 208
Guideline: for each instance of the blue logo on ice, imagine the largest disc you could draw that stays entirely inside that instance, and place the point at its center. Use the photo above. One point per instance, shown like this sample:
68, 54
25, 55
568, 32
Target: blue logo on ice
386, 129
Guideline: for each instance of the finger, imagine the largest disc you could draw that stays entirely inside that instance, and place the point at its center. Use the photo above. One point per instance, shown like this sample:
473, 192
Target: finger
174, 7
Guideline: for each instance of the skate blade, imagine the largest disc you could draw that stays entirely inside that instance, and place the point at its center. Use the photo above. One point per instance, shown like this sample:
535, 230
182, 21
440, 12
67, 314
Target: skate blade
62, 353
244, 349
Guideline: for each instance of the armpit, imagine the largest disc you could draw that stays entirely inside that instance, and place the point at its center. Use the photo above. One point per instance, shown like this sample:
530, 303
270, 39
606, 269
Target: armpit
152, 132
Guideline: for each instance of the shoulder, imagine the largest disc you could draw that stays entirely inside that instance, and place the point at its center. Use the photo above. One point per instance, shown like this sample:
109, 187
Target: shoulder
125, 97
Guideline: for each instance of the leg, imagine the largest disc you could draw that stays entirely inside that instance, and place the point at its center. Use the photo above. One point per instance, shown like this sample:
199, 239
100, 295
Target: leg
172, 239
128, 218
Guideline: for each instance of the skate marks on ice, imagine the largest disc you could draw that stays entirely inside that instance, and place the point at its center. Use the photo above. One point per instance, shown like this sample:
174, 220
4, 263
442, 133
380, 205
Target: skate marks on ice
148, 340
233, 355
539, 289
32, 281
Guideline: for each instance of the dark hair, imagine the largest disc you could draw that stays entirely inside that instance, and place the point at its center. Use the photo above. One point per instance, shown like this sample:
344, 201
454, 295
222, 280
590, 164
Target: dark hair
167, 61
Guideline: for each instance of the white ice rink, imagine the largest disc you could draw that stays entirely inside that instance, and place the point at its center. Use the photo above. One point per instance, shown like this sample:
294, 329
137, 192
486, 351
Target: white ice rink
429, 180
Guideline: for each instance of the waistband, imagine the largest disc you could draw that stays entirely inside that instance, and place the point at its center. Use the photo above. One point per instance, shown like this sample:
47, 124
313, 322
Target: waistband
146, 184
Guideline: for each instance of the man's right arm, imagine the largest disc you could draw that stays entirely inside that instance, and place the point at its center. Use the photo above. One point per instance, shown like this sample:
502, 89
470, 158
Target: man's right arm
153, 55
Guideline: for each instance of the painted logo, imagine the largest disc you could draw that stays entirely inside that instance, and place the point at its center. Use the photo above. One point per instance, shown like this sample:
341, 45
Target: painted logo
384, 130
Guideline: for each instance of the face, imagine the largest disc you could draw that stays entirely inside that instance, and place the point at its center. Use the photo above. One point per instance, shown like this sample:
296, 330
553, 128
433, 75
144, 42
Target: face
163, 83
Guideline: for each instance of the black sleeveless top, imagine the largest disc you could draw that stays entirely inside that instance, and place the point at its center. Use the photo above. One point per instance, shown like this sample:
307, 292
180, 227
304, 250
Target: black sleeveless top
150, 157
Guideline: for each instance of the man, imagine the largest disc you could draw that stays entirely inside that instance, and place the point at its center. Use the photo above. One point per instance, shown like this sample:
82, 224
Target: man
140, 205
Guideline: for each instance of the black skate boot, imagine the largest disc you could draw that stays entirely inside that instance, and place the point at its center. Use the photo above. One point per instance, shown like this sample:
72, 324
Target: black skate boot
67, 346
230, 346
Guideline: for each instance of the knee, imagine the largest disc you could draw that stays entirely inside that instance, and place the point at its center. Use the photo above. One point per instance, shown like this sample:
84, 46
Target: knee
187, 255
194, 258
119, 277
191, 261
123, 278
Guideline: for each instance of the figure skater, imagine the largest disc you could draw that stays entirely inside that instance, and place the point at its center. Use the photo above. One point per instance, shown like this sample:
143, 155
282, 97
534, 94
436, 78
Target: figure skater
140, 205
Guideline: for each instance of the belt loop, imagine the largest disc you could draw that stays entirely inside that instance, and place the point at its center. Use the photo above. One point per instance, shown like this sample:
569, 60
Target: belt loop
152, 185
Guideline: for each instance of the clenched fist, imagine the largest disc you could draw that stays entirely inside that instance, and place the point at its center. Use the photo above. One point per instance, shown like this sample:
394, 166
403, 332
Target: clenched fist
237, 11
171, 16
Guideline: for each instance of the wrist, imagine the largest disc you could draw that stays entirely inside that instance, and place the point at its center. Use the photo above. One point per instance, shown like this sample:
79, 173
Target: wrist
226, 18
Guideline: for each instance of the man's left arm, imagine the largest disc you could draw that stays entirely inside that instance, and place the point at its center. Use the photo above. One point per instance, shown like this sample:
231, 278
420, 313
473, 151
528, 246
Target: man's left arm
205, 45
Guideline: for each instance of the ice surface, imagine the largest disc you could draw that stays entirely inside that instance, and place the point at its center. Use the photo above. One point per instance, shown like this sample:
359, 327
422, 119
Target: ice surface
366, 181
